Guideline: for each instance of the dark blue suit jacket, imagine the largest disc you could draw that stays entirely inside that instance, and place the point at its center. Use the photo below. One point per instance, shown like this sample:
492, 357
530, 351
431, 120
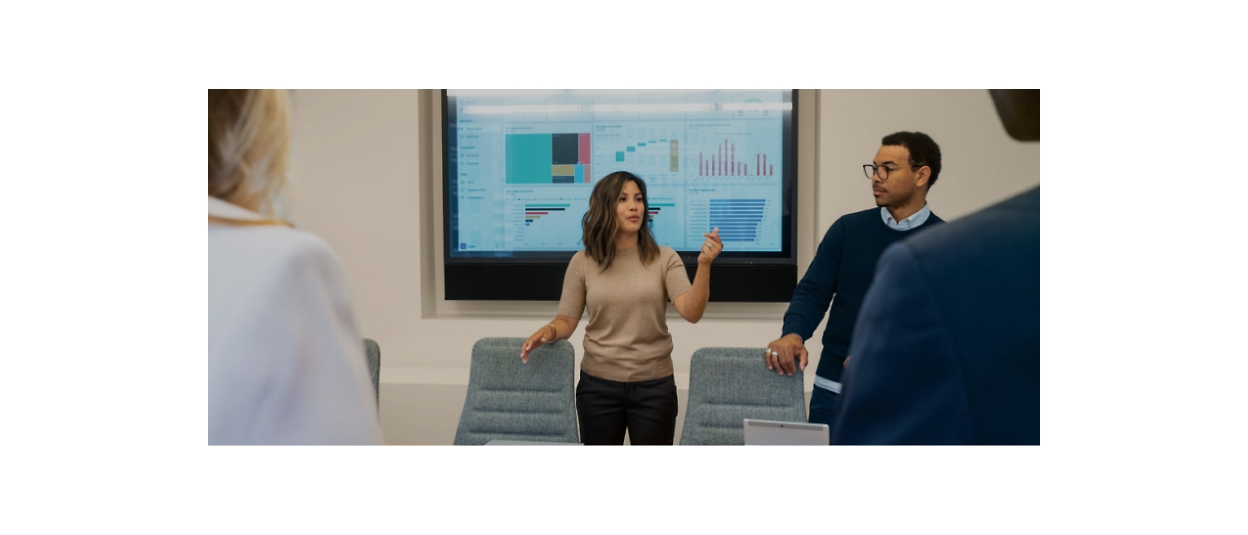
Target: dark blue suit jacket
947, 345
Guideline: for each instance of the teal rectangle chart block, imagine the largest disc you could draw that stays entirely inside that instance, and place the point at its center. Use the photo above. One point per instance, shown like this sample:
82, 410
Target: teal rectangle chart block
528, 159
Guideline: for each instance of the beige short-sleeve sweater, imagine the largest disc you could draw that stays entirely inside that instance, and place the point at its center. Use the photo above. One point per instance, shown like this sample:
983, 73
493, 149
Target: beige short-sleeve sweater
626, 338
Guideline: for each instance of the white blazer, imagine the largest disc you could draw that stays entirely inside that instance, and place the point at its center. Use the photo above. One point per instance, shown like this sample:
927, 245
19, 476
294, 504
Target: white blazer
285, 361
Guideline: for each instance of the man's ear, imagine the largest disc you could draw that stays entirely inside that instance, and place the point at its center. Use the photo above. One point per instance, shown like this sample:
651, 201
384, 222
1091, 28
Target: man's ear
920, 178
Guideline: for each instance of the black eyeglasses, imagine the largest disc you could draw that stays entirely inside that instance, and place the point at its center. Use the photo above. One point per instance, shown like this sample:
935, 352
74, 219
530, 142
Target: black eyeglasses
871, 169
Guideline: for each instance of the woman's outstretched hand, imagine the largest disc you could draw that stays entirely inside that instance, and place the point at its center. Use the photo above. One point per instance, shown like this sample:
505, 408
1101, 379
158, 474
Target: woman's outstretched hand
539, 338
711, 247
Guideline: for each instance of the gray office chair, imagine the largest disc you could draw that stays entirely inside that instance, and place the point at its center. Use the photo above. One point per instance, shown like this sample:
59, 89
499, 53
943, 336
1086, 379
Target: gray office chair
730, 384
510, 400
372, 352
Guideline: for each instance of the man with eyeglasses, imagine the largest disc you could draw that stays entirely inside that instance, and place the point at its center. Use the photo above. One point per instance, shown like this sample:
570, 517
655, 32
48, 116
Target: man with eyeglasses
947, 347
904, 170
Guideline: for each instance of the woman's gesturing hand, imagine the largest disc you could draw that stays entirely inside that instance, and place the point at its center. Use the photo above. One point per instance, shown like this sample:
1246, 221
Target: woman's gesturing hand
711, 247
546, 334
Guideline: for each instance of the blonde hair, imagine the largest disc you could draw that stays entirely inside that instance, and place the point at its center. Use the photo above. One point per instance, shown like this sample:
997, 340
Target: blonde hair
248, 141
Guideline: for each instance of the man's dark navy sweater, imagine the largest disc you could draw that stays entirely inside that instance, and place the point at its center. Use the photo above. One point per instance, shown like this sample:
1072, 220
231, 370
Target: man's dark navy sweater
844, 267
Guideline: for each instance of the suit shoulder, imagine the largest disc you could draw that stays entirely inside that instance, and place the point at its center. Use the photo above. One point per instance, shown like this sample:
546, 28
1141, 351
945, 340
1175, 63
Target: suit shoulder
1007, 229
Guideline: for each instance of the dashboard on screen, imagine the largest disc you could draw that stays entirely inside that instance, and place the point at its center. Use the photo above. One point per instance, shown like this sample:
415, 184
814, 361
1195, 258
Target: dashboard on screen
520, 166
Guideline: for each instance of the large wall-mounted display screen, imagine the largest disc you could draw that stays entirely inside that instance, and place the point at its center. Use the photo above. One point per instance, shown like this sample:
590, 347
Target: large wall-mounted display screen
520, 166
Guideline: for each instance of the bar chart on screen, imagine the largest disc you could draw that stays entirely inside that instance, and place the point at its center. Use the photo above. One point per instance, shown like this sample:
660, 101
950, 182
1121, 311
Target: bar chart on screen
736, 219
728, 153
648, 151
544, 224
668, 222
745, 215
724, 162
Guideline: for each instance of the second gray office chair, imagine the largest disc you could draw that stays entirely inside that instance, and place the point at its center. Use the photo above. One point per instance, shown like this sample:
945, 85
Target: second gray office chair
730, 384
510, 400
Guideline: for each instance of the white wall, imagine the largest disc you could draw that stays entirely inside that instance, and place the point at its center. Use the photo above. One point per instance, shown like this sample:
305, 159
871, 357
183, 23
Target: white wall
981, 164
366, 174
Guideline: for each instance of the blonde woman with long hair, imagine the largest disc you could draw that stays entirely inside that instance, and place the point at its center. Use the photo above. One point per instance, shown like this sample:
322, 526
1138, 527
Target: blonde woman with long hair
285, 361
625, 279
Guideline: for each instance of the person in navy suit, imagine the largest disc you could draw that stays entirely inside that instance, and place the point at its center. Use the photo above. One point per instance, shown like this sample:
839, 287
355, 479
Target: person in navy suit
946, 349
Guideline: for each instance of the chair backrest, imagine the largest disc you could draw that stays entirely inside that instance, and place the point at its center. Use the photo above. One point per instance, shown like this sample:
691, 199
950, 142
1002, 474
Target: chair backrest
372, 352
730, 384
510, 400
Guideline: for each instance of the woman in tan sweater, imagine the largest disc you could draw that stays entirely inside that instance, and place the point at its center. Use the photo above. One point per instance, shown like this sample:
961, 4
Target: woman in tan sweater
625, 279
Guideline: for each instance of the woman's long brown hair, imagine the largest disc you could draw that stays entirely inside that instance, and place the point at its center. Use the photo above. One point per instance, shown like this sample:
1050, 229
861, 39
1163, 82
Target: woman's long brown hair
599, 226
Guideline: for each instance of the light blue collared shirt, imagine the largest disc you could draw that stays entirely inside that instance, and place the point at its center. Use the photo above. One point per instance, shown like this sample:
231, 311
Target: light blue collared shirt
909, 223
